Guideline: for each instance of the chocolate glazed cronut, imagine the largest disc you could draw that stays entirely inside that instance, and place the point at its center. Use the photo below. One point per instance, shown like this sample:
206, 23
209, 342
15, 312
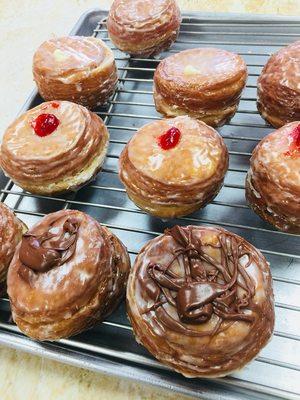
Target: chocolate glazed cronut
200, 300
68, 273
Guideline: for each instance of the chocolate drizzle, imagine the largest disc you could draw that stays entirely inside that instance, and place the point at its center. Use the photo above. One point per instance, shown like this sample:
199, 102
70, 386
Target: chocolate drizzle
208, 287
50, 249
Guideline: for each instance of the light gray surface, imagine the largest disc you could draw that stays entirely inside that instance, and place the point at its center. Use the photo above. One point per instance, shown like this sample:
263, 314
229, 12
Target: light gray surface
276, 371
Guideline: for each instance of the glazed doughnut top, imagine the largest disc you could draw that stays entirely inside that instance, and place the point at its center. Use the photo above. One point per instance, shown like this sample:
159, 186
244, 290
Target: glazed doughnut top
50, 140
206, 296
139, 12
202, 67
59, 264
279, 153
61, 57
283, 68
193, 159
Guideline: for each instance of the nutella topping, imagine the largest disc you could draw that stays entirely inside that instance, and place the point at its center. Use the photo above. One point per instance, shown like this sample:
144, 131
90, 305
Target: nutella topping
209, 287
52, 248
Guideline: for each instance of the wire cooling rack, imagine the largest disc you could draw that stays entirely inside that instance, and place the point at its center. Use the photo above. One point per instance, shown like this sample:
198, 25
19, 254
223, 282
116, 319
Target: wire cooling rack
110, 347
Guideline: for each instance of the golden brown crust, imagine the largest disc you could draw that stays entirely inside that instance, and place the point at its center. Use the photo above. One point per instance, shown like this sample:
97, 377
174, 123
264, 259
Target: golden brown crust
205, 83
62, 161
143, 28
175, 182
273, 181
278, 87
74, 295
207, 317
11, 230
75, 68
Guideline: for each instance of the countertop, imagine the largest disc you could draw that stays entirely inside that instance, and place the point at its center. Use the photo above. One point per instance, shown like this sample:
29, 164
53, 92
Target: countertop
24, 24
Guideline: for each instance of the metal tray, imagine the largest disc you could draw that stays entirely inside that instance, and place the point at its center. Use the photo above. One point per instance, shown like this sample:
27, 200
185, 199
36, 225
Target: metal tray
110, 347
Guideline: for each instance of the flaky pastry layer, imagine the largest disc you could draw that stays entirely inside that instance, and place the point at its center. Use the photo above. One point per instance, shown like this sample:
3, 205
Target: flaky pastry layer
278, 87
205, 83
11, 230
143, 27
63, 161
174, 182
207, 311
75, 295
273, 181
77, 69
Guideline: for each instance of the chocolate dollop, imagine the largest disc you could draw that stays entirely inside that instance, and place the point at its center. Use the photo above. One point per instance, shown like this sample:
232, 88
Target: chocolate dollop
50, 249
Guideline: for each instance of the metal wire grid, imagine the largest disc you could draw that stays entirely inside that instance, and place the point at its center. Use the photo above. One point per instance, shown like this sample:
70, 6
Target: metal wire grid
131, 104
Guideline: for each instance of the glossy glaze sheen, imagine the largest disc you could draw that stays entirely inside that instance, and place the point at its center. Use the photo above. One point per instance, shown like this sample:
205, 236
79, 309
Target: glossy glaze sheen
77, 293
78, 69
278, 87
179, 179
143, 27
35, 163
221, 342
273, 181
205, 83
45, 124
11, 230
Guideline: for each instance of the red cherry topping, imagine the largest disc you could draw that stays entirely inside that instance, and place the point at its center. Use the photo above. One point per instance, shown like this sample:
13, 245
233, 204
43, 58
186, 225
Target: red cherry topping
54, 104
294, 148
45, 124
169, 139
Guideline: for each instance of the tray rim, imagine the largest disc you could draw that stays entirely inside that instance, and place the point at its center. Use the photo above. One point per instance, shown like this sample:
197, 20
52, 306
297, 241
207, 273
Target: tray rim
102, 363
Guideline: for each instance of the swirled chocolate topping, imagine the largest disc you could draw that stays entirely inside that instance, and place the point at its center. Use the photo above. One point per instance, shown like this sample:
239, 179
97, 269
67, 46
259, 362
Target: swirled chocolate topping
50, 249
208, 287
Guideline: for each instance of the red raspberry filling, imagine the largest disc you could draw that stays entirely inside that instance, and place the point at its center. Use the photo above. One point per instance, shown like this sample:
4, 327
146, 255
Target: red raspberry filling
45, 124
170, 139
294, 148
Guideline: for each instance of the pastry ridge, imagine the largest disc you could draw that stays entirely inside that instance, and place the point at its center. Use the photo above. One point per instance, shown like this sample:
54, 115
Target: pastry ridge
63, 299
143, 28
75, 68
63, 161
11, 230
273, 180
205, 83
171, 315
188, 177
278, 90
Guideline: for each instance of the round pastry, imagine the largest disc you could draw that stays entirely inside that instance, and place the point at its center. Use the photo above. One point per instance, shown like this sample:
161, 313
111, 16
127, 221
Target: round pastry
68, 273
273, 180
201, 301
11, 230
173, 167
143, 28
278, 88
204, 83
55, 147
78, 69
